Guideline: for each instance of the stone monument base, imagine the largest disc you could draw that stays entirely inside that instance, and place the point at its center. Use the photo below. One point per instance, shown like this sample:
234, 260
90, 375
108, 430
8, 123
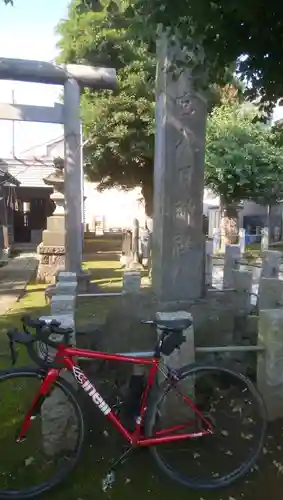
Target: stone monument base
51, 261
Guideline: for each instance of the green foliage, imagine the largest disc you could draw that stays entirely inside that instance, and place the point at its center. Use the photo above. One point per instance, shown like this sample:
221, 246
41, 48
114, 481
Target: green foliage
249, 31
244, 159
119, 126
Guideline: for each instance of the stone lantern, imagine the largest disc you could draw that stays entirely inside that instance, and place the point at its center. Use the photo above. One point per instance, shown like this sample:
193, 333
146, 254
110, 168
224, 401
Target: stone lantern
51, 250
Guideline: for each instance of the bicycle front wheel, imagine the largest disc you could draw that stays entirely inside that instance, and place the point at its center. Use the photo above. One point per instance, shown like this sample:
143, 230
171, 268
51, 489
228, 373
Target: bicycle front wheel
53, 442
221, 400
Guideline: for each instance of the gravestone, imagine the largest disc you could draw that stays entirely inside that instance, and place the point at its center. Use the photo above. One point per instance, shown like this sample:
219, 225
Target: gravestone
178, 240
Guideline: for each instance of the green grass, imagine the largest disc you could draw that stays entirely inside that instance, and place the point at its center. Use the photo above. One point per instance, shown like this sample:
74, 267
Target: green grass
107, 274
252, 251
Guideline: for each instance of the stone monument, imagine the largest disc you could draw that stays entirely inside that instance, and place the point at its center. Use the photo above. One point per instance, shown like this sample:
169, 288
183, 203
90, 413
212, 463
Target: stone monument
178, 239
51, 250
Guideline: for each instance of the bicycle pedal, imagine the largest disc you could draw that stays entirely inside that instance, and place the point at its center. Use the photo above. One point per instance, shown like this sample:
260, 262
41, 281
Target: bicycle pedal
108, 481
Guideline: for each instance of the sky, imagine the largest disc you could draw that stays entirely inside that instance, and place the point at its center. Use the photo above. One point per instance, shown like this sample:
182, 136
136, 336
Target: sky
27, 31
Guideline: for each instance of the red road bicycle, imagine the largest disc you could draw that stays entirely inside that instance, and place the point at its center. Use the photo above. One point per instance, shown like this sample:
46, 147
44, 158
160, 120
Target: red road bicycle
205, 409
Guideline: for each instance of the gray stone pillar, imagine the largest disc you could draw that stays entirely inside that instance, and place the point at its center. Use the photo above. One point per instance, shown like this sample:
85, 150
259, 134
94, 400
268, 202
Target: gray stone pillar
270, 293
131, 282
216, 241
271, 263
270, 363
242, 240
73, 180
232, 256
177, 255
264, 239
135, 240
208, 263
59, 431
270, 269
242, 283
171, 407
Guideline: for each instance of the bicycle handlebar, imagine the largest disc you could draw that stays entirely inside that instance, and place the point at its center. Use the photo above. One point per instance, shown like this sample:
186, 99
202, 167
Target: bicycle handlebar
43, 331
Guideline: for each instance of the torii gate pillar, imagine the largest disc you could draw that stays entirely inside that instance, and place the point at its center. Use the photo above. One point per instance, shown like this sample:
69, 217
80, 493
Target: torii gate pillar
73, 77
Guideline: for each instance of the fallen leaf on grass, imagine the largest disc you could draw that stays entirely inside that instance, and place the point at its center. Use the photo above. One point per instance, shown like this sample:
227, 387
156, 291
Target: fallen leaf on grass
29, 461
278, 466
225, 433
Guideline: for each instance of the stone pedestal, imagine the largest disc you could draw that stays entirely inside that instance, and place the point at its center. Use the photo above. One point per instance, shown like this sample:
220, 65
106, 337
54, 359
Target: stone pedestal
270, 362
51, 260
171, 408
59, 422
51, 250
177, 252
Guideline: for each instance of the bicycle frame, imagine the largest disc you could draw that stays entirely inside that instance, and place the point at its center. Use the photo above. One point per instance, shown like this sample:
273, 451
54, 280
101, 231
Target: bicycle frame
65, 355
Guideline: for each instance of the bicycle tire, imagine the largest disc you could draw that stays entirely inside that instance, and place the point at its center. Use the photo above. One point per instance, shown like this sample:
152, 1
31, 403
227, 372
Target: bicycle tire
193, 483
70, 393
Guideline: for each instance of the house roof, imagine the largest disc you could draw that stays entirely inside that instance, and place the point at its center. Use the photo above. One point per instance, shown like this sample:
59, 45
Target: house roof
29, 173
5, 176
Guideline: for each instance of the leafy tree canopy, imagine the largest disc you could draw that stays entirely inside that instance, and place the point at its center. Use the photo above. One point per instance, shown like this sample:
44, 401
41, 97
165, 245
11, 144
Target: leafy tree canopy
119, 127
247, 31
244, 157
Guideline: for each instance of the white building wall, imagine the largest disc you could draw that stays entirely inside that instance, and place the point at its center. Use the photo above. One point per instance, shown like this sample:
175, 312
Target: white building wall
116, 207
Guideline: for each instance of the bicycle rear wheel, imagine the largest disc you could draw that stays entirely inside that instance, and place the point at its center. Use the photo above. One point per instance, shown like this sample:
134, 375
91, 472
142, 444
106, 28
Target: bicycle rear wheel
52, 444
230, 404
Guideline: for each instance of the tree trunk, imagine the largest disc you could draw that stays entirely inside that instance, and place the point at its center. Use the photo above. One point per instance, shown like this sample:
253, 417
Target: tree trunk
229, 224
268, 222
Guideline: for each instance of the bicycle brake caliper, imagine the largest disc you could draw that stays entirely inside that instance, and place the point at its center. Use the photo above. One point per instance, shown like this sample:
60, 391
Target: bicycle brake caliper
108, 481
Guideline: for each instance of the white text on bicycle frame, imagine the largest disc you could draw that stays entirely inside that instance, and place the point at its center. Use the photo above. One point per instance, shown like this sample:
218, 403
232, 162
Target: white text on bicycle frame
91, 391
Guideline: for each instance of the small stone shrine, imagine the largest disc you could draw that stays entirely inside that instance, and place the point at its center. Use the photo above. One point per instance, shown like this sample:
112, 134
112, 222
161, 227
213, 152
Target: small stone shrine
51, 250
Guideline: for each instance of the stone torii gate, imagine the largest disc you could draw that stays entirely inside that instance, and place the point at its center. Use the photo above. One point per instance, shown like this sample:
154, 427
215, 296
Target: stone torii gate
73, 77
